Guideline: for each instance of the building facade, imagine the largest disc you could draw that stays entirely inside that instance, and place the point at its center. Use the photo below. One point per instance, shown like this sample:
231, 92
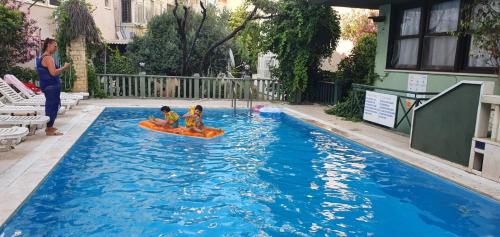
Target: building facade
118, 20
417, 37
131, 17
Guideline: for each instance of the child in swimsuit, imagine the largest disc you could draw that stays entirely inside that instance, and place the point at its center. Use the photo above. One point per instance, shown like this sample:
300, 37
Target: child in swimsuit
193, 119
171, 118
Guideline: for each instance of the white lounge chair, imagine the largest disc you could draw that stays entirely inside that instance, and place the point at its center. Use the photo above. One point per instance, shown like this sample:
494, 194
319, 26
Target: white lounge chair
33, 122
9, 137
17, 99
26, 110
19, 85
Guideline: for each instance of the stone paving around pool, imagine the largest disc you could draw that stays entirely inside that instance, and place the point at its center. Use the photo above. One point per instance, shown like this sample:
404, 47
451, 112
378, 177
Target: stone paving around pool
22, 169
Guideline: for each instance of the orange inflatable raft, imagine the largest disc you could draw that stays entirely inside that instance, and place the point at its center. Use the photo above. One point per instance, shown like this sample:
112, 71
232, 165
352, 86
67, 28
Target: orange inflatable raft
208, 133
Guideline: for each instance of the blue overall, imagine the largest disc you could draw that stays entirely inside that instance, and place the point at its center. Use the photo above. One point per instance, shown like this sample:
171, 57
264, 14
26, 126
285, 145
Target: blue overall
51, 88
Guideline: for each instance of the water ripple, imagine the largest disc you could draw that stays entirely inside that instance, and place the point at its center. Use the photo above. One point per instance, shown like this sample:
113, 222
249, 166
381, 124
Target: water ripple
267, 176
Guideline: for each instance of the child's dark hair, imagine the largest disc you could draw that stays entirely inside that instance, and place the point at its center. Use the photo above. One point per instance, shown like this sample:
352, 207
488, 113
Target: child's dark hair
199, 108
165, 109
46, 43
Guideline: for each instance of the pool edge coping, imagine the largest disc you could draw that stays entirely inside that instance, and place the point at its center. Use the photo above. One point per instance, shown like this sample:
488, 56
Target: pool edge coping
42, 167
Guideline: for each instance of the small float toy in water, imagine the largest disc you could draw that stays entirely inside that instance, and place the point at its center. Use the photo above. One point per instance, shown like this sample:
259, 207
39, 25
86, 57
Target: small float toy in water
265, 109
257, 108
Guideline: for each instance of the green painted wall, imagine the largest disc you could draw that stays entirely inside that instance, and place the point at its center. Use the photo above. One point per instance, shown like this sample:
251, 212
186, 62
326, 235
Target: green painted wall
399, 79
444, 127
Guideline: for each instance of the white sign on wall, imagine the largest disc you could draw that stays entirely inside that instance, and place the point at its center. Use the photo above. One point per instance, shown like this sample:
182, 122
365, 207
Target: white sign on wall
380, 108
417, 83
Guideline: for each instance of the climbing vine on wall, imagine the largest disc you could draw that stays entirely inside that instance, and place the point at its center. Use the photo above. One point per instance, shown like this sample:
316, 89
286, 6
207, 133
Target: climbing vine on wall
74, 19
482, 23
301, 35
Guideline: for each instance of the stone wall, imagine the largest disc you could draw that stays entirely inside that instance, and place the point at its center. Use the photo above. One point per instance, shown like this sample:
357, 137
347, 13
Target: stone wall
79, 58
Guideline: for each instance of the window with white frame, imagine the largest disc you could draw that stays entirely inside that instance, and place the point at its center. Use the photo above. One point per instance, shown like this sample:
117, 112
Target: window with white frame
139, 13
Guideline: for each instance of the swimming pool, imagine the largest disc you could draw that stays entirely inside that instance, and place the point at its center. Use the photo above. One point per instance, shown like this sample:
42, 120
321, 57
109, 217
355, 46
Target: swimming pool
267, 176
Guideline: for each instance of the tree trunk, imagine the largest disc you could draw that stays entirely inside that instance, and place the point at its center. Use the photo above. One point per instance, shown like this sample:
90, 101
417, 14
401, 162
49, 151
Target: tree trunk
206, 58
197, 34
181, 31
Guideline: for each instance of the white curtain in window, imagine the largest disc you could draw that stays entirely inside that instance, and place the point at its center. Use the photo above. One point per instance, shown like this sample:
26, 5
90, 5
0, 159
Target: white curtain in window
410, 24
440, 51
444, 17
405, 53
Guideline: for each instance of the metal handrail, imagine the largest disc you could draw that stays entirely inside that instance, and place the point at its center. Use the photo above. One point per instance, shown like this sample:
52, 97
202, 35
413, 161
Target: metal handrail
233, 100
417, 99
360, 86
250, 98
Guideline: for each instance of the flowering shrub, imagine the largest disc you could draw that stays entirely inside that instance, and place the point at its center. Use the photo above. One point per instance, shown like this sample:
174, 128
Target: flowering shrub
20, 36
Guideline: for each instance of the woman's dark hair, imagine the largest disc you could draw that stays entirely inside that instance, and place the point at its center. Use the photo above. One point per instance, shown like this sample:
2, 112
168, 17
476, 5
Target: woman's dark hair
46, 43
199, 108
165, 109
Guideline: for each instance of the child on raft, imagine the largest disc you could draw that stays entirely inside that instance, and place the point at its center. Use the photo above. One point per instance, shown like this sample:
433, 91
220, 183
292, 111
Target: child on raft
171, 118
193, 119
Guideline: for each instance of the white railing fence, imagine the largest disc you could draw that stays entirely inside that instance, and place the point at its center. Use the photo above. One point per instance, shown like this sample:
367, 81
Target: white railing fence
153, 86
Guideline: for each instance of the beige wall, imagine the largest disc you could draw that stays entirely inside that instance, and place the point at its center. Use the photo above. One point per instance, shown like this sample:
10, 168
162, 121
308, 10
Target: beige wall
103, 17
42, 13
137, 26
43, 16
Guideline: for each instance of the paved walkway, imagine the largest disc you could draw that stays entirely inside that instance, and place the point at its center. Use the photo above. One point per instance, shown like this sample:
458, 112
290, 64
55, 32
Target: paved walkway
22, 169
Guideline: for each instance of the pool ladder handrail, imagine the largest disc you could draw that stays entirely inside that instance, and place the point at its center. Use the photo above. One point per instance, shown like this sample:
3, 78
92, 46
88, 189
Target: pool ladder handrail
234, 99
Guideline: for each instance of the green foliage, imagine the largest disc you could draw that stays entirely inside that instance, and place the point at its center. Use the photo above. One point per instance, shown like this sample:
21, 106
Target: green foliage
482, 22
248, 40
93, 82
325, 75
359, 67
350, 109
119, 64
160, 47
23, 74
18, 38
11, 24
75, 19
301, 35
355, 23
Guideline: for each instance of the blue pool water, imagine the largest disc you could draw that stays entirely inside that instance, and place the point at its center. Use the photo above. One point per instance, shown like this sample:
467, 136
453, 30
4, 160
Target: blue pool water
267, 176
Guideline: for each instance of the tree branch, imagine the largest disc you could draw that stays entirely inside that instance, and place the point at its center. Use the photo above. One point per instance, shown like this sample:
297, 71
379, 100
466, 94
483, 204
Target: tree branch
181, 30
197, 34
210, 50
265, 17
34, 2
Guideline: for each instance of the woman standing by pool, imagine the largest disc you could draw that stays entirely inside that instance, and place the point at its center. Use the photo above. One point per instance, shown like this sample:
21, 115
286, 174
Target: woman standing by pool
50, 83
